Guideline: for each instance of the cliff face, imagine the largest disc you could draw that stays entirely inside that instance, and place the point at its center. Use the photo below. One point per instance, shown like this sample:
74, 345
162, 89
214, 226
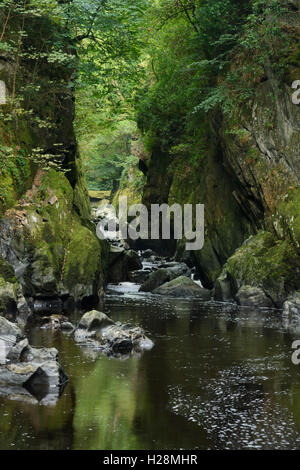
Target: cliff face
264, 160
47, 246
248, 179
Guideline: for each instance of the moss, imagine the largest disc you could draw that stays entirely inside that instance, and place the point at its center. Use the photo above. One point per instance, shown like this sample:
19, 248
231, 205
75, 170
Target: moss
83, 258
6, 272
288, 216
262, 261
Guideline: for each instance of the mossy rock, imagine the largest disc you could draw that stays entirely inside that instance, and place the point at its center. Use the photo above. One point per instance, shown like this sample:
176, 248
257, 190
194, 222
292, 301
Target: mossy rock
265, 262
183, 286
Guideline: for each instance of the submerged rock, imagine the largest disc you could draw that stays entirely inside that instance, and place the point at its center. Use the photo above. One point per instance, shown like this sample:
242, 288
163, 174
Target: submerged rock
183, 287
98, 330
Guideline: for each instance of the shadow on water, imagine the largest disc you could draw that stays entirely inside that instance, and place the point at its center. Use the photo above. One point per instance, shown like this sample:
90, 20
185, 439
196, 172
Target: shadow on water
216, 378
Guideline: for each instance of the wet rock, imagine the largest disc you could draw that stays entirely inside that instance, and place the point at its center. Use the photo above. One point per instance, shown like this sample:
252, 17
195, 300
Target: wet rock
8, 328
24, 366
253, 297
57, 322
126, 262
101, 332
176, 269
291, 306
147, 254
8, 299
95, 320
156, 279
183, 287
140, 276
224, 289
47, 306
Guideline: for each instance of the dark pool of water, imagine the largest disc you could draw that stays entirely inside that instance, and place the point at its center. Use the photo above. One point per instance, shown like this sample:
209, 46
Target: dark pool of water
217, 378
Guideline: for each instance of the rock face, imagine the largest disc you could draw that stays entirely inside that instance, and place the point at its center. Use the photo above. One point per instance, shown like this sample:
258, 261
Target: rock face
21, 365
122, 263
183, 287
46, 238
99, 331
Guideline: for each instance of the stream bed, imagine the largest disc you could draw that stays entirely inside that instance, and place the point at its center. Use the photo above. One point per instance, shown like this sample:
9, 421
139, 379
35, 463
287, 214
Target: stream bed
217, 378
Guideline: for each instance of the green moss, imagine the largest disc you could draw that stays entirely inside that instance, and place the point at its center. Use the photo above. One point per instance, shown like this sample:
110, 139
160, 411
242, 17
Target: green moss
6, 272
83, 261
262, 261
288, 216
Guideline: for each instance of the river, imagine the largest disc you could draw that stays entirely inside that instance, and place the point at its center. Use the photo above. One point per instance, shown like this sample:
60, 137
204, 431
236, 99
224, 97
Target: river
217, 378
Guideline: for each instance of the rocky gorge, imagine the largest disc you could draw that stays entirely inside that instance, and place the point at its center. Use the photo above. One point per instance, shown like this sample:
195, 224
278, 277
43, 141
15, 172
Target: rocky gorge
76, 308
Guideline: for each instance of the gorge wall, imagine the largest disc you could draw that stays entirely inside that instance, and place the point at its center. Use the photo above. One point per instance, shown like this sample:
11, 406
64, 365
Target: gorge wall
48, 247
248, 179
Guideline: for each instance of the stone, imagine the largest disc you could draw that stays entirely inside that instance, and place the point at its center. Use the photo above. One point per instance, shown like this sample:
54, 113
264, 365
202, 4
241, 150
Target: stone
119, 270
95, 320
156, 279
147, 254
176, 269
9, 328
99, 331
183, 287
224, 289
253, 297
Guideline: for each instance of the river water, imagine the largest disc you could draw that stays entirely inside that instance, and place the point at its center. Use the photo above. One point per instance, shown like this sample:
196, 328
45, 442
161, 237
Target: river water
217, 378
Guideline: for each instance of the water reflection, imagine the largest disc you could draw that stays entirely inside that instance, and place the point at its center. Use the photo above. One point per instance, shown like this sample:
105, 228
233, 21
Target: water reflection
216, 378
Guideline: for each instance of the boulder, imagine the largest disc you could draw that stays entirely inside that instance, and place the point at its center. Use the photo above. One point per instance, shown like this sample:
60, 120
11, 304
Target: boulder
183, 287
156, 279
253, 297
8, 328
99, 331
21, 365
95, 320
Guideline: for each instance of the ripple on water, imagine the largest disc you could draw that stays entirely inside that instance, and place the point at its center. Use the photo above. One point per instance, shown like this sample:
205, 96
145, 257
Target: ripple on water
237, 412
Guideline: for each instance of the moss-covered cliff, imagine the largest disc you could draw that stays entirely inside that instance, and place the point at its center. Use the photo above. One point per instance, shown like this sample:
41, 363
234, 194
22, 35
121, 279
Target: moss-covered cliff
47, 243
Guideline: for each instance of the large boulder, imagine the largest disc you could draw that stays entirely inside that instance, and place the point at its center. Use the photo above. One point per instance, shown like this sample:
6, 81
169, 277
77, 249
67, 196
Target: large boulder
95, 320
97, 330
183, 287
156, 279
